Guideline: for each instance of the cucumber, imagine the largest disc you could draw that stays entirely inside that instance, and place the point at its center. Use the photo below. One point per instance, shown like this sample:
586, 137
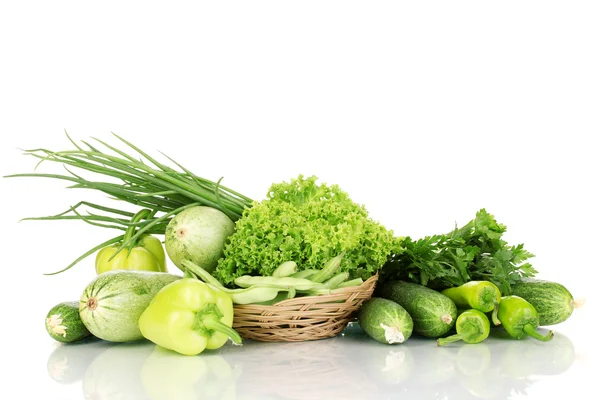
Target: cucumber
385, 321
553, 302
64, 324
433, 314
112, 303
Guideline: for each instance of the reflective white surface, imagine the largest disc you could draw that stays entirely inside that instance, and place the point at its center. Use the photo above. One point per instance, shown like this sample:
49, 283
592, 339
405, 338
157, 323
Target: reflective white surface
349, 366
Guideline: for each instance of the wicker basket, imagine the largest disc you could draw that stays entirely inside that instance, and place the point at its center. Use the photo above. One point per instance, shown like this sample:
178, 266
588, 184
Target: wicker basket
302, 318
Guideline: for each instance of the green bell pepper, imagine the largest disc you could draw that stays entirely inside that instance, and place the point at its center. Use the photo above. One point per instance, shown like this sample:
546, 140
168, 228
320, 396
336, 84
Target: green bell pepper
147, 255
188, 316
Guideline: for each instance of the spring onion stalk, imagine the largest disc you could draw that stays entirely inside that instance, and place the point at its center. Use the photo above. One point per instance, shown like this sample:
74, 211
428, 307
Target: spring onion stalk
138, 179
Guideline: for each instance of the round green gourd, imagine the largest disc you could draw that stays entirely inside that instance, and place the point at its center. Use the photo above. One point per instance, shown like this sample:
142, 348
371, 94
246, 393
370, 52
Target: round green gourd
112, 303
64, 324
385, 321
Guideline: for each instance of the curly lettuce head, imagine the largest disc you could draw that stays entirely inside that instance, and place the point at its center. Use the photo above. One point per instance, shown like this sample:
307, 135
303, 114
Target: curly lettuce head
308, 223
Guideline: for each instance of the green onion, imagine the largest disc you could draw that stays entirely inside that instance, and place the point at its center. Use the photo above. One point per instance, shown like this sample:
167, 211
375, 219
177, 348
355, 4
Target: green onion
144, 182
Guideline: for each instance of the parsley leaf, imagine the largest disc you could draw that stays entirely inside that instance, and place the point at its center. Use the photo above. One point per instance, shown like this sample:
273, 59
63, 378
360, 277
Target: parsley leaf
474, 252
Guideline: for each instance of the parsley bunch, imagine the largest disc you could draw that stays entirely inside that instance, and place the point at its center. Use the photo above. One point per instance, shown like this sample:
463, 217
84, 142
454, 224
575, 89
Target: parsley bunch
474, 252
308, 223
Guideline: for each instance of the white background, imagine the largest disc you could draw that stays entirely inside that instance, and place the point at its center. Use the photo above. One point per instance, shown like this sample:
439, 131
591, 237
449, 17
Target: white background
424, 112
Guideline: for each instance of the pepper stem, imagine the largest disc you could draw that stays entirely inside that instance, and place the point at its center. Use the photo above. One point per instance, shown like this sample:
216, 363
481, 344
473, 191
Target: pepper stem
495, 319
488, 298
469, 334
454, 338
221, 327
207, 320
531, 331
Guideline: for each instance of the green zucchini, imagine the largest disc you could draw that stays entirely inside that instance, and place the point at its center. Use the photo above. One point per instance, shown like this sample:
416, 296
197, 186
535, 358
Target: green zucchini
385, 321
112, 303
433, 314
64, 324
552, 301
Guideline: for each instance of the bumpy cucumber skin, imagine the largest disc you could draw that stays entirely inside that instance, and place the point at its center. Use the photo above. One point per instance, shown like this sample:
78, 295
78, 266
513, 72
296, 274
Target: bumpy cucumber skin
64, 324
112, 303
433, 313
377, 311
552, 301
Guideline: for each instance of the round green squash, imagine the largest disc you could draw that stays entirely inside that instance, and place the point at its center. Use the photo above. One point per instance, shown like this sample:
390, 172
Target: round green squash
112, 303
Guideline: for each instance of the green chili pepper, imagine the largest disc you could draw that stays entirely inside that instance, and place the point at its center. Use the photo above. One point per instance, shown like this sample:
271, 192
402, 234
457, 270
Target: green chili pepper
479, 295
472, 326
189, 316
520, 319
146, 255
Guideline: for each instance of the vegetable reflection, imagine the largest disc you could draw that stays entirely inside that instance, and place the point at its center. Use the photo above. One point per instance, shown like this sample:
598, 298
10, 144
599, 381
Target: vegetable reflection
322, 369
68, 362
349, 366
115, 373
167, 375
488, 370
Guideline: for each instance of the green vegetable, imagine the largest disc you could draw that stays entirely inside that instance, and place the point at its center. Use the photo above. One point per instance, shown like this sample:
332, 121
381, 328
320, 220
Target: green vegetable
433, 314
479, 295
472, 326
520, 319
552, 301
305, 273
330, 268
287, 268
247, 281
198, 234
189, 316
64, 324
279, 297
250, 295
309, 224
139, 179
472, 253
385, 321
147, 256
336, 280
112, 303
146, 253
352, 282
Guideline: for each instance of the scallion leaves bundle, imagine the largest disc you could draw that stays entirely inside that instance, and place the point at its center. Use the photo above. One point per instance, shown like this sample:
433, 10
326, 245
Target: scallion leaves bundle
138, 179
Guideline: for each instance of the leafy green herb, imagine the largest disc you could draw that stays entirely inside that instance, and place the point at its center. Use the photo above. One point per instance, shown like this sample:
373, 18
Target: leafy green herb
309, 224
474, 252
